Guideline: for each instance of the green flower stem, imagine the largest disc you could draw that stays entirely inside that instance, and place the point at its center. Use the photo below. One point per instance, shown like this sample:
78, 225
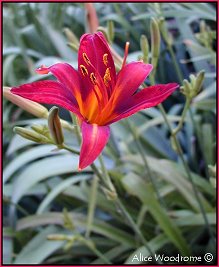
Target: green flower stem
124, 210
88, 243
199, 139
92, 247
7, 200
180, 125
180, 153
76, 128
100, 255
91, 206
115, 199
180, 77
145, 161
64, 146
105, 176
134, 226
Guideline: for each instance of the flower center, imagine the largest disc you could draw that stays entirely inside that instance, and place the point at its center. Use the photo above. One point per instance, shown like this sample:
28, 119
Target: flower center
100, 87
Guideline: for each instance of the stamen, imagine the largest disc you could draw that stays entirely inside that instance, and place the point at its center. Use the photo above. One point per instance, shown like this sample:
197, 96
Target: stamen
125, 54
107, 77
83, 70
93, 78
105, 60
86, 59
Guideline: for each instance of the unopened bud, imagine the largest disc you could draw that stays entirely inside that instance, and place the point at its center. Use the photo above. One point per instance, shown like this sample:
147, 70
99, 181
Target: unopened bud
192, 79
163, 29
144, 48
192, 88
73, 47
67, 220
41, 129
30, 135
110, 30
71, 37
111, 195
202, 26
32, 107
56, 237
199, 81
155, 41
91, 17
186, 88
173, 143
55, 127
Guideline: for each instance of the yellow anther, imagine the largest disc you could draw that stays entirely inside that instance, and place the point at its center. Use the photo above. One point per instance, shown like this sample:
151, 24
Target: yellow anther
105, 60
83, 70
86, 59
93, 78
107, 77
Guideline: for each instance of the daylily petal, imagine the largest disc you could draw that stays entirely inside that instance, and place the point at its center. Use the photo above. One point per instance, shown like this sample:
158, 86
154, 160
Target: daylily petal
68, 76
146, 98
48, 92
130, 77
94, 49
94, 139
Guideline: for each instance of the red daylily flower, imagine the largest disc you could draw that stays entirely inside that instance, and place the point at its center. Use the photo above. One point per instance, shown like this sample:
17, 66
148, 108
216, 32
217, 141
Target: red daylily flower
95, 93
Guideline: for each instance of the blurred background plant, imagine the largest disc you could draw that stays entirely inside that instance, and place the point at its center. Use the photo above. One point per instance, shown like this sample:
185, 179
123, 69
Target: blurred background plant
162, 161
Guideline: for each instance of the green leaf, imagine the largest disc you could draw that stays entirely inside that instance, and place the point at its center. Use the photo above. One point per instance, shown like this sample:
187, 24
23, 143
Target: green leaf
135, 186
206, 104
156, 243
39, 248
33, 173
30, 155
175, 175
59, 189
80, 221
7, 245
208, 143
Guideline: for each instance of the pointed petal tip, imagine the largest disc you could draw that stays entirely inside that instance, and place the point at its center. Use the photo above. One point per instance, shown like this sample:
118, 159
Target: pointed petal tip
42, 70
94, 139
79, 168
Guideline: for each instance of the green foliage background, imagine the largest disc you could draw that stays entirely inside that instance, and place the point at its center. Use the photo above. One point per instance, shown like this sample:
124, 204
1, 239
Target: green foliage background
55, 215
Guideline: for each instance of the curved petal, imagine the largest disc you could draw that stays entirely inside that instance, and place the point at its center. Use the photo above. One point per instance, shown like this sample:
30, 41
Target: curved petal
66, 75
130, 77
146, 98
48, 92
94, 53
94, 139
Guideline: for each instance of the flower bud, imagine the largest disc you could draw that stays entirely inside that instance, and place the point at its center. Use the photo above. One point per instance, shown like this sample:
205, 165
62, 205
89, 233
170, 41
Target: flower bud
199, 81
111, 195
27, 105
110, 30
73, 47
163, 29
71, 37
91, 17
55, 127
186, 88
30, 135
144, 48
192, 88
155, 42
56, 237
41, 129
